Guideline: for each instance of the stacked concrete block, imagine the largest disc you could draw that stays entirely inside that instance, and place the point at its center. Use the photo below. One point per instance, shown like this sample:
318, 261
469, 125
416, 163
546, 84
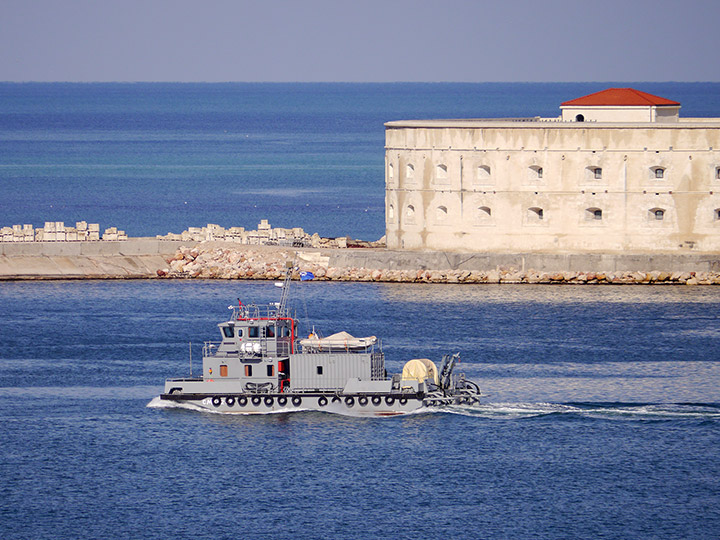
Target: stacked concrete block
93, 232
110, 234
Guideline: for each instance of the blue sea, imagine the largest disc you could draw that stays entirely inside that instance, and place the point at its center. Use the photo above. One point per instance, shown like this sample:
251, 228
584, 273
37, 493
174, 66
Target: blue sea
157, 158
602, 410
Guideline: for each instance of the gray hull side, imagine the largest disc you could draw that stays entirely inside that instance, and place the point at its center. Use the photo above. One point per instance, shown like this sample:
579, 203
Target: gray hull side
347, 405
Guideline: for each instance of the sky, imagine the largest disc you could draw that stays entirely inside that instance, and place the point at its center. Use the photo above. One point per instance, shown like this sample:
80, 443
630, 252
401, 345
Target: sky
359, 40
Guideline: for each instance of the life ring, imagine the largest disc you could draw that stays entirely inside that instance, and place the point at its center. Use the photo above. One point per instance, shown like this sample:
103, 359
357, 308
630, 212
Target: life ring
376, 400
269, 401
297, 401
363, 400
389, 400
322, 401
242, 401
230, 401
349, 401
282, 401
216, 401
256, 400
402, 401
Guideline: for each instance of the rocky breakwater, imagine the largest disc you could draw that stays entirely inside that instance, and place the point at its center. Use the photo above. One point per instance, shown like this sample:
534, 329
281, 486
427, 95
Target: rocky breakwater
212, 262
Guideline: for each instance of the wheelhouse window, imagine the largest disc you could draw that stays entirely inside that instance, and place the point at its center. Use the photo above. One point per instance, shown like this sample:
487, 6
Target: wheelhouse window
270, 331
228, 331
248, 371
253, 332
270, 370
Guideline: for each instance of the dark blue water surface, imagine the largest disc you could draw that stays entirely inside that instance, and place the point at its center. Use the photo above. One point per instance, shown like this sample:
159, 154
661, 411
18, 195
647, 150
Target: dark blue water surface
157, 158
602, 419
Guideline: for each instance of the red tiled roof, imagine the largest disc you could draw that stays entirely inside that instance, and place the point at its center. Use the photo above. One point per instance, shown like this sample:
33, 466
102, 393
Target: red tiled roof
620, 96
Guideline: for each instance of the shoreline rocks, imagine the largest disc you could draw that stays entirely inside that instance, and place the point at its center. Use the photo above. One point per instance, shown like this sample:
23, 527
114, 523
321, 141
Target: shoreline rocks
212, 262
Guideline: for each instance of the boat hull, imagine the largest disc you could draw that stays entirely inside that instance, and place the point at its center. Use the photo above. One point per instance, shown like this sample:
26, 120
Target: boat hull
347, 404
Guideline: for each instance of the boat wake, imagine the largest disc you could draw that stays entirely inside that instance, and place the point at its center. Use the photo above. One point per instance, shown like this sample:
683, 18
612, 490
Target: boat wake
608, 411
510, 411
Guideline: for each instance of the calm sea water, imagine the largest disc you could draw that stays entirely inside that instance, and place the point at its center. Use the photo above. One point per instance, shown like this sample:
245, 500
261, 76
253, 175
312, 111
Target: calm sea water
602, 419
158, 158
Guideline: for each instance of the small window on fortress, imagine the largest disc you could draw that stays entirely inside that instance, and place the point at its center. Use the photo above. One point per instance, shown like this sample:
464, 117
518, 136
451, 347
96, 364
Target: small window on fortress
535, 214
410, 211
391, 172
716, 214
228, 331
441, 213
536, 172
484, 213
409, 172
391, 212
579, 118
656, 214
483, 173
593, 214
597, 171
717, 173
441, 173
659, 172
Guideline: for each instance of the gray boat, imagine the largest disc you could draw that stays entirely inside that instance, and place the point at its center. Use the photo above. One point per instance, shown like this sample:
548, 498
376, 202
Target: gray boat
261, 365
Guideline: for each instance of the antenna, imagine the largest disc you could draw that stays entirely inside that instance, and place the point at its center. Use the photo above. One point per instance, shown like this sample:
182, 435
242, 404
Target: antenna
190, 344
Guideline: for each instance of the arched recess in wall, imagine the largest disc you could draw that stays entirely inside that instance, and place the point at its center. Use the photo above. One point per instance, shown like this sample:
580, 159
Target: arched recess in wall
593, 173
409, 214
391, 171
716, 215
483, 215
441, 174
657, 172
391, 213
656, 214
441, 214
483, 174
535, 173
409, 172
535, 215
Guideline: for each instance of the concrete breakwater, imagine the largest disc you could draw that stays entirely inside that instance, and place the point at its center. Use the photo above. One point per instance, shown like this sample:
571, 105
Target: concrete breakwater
213, 262
155, 258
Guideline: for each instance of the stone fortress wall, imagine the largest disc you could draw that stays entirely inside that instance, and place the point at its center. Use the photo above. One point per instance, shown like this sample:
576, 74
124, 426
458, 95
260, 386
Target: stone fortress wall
554, 186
